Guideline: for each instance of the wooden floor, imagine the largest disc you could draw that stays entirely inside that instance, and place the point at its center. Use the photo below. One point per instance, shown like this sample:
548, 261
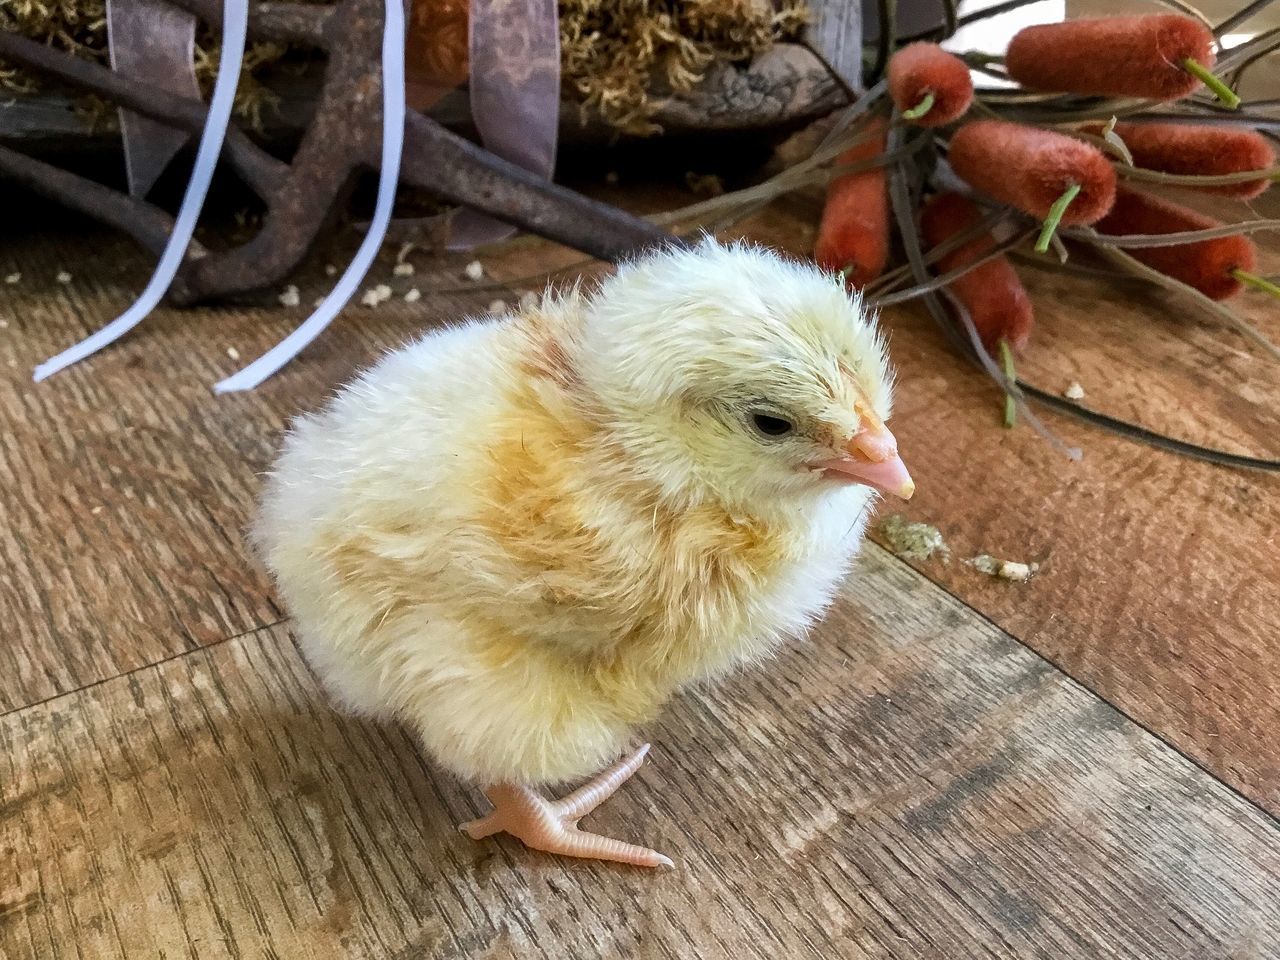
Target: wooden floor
1086, 765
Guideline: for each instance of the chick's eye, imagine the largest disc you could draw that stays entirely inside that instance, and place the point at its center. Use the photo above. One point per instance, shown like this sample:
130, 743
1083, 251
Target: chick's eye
771, 426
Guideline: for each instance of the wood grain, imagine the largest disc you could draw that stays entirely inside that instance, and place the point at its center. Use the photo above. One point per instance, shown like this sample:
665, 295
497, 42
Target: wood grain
910, 783
124, 482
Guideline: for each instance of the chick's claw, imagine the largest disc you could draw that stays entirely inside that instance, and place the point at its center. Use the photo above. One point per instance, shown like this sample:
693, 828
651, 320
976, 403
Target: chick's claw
552, 825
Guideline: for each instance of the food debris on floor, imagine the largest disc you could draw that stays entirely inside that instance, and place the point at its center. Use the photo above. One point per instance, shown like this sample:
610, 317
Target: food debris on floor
1074, 391
498, 306
289, 297
63, 277
403, 270
475, 270
13, 278
1003, 569
413, 295
913, 540
233, 353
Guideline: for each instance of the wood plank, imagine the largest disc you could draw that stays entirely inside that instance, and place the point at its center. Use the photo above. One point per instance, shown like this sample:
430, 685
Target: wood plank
124, 482
910, 783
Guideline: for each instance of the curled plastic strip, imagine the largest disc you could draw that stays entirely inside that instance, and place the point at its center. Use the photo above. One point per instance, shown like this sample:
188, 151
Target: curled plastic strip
235, 21
393, 114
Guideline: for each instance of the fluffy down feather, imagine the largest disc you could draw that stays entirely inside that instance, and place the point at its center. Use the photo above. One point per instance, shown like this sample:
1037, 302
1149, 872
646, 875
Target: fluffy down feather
522, 535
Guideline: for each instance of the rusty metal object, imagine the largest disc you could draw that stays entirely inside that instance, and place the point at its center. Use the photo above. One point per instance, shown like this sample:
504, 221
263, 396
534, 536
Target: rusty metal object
344, 137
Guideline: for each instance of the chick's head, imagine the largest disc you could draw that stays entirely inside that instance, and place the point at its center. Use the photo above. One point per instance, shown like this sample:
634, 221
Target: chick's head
732, 372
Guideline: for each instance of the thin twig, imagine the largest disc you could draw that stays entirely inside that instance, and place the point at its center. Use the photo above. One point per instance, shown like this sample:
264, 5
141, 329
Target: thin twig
1183, 7
1169, 283
888, 16
1056, 213
888, 281
946, 279
1006, 363
1142, 240
900, 203
921, 108
1134, 432
1246, 12
939, 33
1257, 282
1210, 80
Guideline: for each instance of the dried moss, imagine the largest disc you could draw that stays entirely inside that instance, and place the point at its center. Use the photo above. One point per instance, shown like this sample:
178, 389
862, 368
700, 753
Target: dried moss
80, 27
620, 57
77, 26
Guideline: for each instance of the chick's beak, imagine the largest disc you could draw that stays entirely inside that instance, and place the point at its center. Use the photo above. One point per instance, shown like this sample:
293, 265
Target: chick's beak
871, 458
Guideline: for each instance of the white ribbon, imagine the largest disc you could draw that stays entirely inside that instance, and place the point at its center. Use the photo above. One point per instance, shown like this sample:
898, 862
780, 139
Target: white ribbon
393, 112
235, 21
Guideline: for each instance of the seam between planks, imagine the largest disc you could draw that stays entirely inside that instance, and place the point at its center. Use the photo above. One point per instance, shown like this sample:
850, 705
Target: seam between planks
1272, 818
144, 666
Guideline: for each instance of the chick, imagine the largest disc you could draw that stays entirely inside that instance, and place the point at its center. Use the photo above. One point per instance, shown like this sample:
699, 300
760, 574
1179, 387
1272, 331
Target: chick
521, 536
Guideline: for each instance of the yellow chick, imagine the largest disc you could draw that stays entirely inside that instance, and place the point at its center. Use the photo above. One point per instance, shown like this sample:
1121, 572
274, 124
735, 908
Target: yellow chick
521, 536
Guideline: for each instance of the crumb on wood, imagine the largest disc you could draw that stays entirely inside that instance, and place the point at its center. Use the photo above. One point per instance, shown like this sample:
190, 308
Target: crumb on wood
404, 251
63, 277
403, 270
913, 540
13, 278
1003, 569
379, 294
4, 324
1074, 391
289, 296
330, 270
413, 295
475, 271
233, 353
498, 307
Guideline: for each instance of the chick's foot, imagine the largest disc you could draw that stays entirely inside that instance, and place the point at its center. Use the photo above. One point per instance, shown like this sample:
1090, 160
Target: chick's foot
552, 825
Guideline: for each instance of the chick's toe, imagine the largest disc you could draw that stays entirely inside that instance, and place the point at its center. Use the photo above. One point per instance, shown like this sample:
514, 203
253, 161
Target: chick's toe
552, 825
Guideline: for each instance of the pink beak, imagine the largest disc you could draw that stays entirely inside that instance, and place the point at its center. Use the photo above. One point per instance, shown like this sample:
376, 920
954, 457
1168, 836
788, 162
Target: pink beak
872, 459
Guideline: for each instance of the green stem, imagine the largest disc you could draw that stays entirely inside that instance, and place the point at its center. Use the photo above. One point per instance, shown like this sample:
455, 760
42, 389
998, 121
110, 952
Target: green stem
920, 109
1257, 282
1055, 217
1211, 80
1010, 405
